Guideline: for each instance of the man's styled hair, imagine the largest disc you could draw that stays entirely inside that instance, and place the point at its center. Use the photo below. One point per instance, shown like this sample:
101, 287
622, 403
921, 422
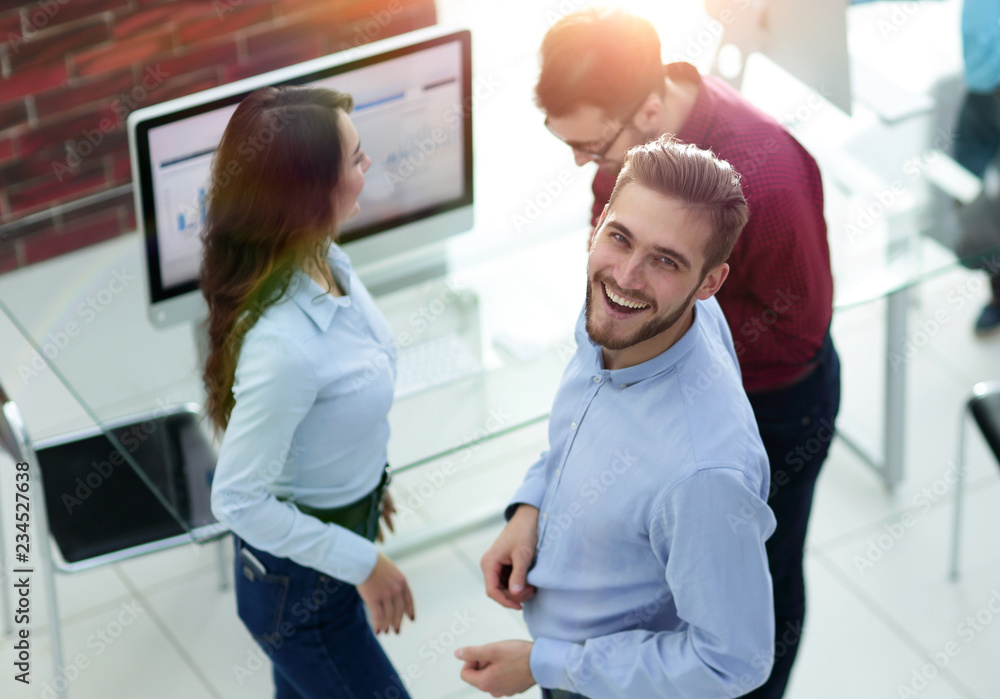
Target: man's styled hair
704, 184
598, 56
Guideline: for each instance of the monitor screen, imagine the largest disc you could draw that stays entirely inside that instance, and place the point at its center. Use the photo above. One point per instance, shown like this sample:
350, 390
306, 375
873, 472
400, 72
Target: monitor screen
412, 110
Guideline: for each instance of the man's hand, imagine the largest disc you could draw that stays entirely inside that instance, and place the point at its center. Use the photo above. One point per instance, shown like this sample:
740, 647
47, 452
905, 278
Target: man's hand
387, 595
502, 668
505, 564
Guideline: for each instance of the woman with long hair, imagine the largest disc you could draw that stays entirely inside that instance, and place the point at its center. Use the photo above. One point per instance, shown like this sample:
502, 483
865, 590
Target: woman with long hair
299, 374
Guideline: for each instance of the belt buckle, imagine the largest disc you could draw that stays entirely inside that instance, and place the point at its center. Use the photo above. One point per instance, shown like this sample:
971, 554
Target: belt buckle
384, 486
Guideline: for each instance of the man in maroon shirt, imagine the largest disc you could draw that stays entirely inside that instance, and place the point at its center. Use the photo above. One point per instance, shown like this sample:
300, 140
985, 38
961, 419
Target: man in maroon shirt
604, 89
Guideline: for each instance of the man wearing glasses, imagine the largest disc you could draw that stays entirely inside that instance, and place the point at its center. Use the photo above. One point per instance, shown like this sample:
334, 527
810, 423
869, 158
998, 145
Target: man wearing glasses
604, 89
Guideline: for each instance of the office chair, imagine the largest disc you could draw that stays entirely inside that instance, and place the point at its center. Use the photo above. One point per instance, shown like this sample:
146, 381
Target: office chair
984, 405
126, 515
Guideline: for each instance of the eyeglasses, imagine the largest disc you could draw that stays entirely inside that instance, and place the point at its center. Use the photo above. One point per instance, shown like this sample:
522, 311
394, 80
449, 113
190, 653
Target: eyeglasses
598, 155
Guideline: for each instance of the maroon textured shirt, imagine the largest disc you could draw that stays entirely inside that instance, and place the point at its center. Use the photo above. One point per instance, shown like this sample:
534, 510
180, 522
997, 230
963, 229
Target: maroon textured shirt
778, 298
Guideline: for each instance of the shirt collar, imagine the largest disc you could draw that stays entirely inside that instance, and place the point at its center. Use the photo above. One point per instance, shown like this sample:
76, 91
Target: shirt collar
313, 299
660, 364
702, 115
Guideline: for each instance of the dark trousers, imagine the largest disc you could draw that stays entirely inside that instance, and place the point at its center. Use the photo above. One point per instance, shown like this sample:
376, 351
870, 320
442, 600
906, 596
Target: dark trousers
977, 141
314, 630
977, 137
796, 426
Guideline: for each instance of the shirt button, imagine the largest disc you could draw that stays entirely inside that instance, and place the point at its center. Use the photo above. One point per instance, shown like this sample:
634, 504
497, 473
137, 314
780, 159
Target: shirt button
621, 385
597, 379
545, 515
558, 471
572, 425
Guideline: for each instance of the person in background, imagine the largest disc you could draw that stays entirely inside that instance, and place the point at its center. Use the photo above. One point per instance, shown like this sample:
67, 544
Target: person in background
646, 518
301, 478
977, 141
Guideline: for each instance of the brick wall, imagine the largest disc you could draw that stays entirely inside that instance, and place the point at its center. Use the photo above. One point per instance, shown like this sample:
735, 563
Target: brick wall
72, 70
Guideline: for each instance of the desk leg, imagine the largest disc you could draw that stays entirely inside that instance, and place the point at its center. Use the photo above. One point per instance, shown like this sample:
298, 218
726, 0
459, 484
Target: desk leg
888, 461
44, 547
895, 388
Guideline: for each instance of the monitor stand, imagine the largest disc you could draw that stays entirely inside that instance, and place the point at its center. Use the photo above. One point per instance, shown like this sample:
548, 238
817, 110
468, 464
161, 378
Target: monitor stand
413, 267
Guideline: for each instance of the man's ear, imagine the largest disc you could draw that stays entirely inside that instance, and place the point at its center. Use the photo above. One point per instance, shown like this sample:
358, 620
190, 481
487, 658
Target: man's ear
713, 281
650, 114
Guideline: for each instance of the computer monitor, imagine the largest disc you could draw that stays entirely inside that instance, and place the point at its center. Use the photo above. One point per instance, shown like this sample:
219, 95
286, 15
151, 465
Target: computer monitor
807, 39
413, 110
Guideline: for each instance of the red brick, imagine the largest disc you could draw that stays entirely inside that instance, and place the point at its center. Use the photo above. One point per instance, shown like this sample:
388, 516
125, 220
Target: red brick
121, 171
23, 170
70, 11
138, 49
28, 82
320, 17
52, 45
8, 256
10, 23
216, 26
102, 90
12, 114
46, 191
111, 143
47, 245
291, 7
128, 217
289, 35
6, 149
356, 29
275, 58
59, 130
143, 19
183, 85
197, 58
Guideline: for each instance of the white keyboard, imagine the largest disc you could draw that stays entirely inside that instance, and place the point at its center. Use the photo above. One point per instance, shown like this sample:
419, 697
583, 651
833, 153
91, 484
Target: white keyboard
432, 363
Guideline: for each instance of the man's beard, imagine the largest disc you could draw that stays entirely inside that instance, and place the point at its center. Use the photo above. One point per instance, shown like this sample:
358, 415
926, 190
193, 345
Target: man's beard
603, 336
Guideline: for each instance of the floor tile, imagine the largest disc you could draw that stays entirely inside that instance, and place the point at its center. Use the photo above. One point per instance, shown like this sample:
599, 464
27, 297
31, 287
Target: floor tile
848, 651
203, 618
901, 568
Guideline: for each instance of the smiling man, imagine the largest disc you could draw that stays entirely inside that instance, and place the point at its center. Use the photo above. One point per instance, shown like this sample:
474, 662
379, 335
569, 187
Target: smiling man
604, 88
636, 543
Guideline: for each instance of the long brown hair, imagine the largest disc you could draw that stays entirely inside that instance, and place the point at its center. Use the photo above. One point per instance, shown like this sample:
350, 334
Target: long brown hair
269, 210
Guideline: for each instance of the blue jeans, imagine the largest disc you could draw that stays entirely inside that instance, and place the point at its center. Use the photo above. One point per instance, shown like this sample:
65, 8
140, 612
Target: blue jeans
796, 425
560, 694
313, 627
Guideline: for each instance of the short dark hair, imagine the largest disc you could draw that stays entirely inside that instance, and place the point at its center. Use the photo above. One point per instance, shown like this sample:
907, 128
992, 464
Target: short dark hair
598, 56
703, 183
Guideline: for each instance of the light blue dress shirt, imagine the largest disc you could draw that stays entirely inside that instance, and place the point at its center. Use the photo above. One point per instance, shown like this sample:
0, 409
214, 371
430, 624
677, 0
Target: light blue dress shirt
313, 389
981, 44
651, 572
